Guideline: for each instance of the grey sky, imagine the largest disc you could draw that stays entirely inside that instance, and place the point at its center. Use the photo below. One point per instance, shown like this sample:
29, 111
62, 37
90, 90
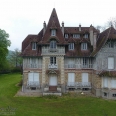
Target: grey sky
22, 17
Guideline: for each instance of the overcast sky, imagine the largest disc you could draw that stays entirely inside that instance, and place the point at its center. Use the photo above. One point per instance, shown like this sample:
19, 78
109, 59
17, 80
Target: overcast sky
22, 17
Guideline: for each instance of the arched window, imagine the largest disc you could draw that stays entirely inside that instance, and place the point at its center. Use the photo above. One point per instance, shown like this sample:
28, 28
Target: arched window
53, 44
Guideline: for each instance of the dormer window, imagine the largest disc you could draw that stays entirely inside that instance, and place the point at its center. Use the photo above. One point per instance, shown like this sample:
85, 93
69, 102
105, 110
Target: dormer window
86, 36
83, 46
71, 46
66, 35
53, 32
34, 45
53, 44
111, 44
76, 35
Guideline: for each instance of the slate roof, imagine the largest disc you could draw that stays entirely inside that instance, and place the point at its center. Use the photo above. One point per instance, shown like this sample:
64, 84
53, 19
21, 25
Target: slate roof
44, 39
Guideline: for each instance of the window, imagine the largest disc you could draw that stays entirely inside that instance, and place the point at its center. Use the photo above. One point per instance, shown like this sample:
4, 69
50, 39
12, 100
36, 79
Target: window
53, 32
76, 35
86, 36
53, 44
85, 63
111, 44
66, 35
105, 94
33, 79
71, 46
83, 46
113, 95
110, 62
34, 45
52, 60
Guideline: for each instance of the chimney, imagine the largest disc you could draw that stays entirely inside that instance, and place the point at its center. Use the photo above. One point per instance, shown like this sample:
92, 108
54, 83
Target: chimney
95, 40
63, 28
44, 27
79, 27
91, 34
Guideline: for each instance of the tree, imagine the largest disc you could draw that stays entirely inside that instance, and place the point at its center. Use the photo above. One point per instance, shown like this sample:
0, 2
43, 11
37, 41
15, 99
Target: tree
15, 59
4, 43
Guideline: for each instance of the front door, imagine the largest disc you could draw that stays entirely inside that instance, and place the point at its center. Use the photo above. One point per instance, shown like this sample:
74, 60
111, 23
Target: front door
52, 82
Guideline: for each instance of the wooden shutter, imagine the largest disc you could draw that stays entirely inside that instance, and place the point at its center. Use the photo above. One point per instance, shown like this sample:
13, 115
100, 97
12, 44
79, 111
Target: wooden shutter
105, 82
84, 77
113, 82
110, 62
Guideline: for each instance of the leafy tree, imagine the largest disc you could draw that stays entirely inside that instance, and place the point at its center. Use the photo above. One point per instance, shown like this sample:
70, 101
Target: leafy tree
4, 43
15, 60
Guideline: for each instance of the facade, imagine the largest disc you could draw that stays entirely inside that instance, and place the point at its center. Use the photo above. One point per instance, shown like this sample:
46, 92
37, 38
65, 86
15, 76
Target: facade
60, 59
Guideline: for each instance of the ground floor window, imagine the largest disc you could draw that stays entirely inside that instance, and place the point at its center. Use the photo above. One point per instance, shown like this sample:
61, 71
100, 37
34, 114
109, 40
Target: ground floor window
71, 79
113, 95
105, 94
33, 79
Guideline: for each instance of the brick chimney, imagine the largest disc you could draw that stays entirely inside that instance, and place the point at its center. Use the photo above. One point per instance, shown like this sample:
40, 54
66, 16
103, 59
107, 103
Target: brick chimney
63, 28
79, 27
94, 40
91, 34
44, 27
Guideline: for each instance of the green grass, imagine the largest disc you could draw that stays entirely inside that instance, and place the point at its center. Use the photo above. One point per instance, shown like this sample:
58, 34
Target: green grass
67, 105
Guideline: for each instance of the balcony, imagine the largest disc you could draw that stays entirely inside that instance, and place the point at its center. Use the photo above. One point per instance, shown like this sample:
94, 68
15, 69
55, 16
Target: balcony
77, 66
77, 85
52, 66
58, 50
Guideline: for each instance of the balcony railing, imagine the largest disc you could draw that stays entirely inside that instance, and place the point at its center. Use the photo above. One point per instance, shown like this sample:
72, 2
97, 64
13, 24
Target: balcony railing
55, 51
52, 66
77, 66
32, 66
79, 84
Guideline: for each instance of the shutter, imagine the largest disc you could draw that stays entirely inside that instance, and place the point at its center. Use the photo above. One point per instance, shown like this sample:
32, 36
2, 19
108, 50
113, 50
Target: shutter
36, 77
105, 82
84, 77
30, 78
111, 63
71, 79
113, 82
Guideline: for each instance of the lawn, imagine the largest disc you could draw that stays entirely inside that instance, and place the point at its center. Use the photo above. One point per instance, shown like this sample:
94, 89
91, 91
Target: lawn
67, 105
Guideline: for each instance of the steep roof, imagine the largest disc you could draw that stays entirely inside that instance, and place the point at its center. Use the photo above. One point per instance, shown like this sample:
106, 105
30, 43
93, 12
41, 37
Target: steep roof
108, 34
53, 24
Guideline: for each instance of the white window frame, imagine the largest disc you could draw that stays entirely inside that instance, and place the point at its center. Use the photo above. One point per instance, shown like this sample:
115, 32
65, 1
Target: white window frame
83, 46
71, 46
53, 44
66, 35
76, 35
86, 36
53, 32
52, 60
34, 45
110, 62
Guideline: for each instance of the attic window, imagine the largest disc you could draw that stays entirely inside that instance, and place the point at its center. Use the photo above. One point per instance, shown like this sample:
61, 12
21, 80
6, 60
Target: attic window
86, 36
34, 45
53, 32
111, 44
66, 35
76, 35
83, 46
71, 46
